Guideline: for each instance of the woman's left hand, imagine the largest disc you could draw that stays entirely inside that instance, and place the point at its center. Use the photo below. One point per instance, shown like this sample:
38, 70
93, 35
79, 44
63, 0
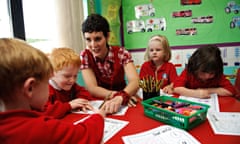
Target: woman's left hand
113, 105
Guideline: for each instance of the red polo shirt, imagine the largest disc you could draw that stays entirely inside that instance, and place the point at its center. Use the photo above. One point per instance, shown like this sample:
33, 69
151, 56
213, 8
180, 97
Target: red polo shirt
167, 72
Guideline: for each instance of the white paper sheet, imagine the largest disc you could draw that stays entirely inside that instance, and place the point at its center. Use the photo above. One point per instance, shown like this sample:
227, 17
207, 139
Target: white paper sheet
111, 127
97, 103
161, 135
227, 123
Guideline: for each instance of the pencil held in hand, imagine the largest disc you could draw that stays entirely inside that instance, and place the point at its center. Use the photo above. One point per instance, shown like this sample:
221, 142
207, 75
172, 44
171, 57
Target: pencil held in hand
102, 104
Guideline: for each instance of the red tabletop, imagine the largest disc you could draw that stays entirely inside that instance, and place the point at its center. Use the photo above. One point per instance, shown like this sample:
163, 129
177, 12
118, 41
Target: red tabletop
138, 122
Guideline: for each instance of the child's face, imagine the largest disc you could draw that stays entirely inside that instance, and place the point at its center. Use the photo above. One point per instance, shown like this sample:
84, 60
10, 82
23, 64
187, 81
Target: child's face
156, 51
97, 43
204, 76
66, 77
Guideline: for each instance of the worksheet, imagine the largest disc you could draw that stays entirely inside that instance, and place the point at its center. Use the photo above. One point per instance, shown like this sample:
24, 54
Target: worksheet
165, 134
111, 127
227, 123
96, 104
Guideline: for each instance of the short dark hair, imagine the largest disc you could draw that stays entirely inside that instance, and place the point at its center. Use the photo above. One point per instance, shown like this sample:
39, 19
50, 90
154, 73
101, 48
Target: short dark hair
96, 23
206, 59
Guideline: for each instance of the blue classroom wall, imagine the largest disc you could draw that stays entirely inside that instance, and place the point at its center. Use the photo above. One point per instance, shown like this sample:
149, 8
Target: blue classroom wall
229, 71
80, 80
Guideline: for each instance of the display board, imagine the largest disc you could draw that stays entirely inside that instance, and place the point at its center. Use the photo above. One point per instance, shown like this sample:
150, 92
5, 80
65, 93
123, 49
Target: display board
110, 10
183, 22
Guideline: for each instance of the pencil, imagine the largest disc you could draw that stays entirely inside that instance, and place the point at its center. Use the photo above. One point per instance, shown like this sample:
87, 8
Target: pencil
102, 104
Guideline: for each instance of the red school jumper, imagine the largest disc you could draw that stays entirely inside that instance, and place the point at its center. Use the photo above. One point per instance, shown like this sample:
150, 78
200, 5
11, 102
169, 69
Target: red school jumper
191, 82
30, 127
58, 101
167, 72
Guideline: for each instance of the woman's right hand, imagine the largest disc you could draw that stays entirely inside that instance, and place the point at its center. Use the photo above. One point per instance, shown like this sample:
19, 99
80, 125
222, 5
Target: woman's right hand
100, 111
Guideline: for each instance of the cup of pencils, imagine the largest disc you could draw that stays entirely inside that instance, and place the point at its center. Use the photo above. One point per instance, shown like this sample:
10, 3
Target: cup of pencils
150, 87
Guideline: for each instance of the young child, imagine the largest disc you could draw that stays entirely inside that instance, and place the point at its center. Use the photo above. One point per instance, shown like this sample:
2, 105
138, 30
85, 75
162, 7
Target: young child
157, 65
24, 75
203, 75
64, 93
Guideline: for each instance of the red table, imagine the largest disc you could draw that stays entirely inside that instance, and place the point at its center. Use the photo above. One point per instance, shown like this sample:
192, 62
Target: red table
138, 122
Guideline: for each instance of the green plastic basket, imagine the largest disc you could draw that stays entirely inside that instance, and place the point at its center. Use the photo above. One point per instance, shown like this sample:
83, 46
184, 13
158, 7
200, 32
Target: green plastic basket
173, 118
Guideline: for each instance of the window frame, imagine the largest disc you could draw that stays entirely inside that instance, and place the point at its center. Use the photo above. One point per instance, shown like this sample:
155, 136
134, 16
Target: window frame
16, 13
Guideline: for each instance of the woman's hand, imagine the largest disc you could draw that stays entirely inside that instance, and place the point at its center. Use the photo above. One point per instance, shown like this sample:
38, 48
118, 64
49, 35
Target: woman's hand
100, 111
112, 105
132, 101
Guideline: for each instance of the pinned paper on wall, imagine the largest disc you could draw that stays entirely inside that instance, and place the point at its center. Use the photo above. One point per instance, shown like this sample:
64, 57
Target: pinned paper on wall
144, 10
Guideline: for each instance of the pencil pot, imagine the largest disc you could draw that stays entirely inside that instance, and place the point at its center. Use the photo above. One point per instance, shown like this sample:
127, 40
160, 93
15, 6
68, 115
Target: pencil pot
147, 95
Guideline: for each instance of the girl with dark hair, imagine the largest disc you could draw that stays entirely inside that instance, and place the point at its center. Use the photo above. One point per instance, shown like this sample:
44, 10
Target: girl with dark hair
204, 75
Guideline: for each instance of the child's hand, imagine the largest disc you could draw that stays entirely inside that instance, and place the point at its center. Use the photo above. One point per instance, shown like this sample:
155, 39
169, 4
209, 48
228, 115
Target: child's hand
80, 103
203, 93
168, 89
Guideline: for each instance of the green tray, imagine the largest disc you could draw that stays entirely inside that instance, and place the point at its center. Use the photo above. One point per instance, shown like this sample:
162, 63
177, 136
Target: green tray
173, 118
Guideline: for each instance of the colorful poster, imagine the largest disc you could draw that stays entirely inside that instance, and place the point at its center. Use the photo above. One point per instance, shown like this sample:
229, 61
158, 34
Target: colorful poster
184, 22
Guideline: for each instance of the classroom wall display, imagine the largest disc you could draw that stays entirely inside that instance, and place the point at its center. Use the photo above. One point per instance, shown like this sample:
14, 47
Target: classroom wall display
230, 56
184, 22
110, 10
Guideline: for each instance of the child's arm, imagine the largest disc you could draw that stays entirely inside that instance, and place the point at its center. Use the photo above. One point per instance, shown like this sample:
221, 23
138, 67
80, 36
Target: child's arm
225, 87
88, 130
220, 91
57, 109
198, 93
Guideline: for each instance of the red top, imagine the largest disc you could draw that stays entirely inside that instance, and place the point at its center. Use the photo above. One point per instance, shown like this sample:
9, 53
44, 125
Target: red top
190, 81
109, 72
237, 81
24, 126
57, 104
237, 84
167, 72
